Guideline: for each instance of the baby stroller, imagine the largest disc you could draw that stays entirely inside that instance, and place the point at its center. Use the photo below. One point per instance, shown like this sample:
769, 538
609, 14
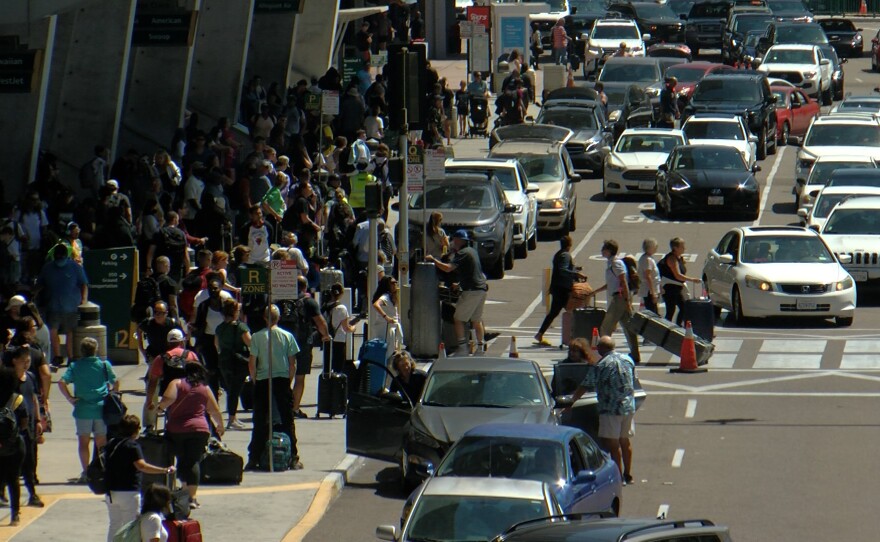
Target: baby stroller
478, 121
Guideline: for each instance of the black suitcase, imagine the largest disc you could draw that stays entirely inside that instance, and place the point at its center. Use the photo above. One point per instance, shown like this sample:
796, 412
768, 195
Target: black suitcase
221, 465
246, 398
332, 390
701, 314
157, 451
585, 319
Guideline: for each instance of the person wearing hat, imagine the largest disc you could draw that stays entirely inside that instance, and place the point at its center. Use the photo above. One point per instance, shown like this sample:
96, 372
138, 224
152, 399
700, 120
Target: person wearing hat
163, 369
668, 104
472, 282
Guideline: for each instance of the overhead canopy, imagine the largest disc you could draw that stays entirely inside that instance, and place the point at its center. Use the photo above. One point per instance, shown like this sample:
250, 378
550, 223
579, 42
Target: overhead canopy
348, 15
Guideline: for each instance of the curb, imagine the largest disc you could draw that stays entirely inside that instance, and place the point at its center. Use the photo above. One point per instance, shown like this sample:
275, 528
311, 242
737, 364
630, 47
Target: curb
329, 489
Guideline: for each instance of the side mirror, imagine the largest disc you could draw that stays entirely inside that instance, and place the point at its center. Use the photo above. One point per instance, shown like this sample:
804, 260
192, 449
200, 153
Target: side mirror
683, 17
575, 178
725, 258
843, 60
574, 11
509, 208
646, 37
753, 138
803, 212
815, 228
795, 105
585, 477
824, 62
563, 401
532, 189
386, 532
662, 167
756, 168
606, 149
592, 77
844, 258
794, 140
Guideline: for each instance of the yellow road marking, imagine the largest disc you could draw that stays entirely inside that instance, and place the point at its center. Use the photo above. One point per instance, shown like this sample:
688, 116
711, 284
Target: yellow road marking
320, 502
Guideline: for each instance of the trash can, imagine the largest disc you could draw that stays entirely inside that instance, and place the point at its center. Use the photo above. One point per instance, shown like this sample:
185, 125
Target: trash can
89, 325
501, 73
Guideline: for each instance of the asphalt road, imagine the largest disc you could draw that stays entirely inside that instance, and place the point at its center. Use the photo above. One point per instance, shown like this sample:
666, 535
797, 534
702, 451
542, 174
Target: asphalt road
775, 440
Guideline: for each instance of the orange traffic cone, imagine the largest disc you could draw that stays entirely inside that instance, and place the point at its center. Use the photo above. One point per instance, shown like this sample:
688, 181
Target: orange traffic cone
594, 340
441, 353
863, 8
688, 362
514, 353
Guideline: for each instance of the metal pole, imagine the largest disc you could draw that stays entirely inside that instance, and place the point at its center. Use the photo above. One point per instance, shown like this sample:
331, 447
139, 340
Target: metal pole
270, 329
372, 275
403, 270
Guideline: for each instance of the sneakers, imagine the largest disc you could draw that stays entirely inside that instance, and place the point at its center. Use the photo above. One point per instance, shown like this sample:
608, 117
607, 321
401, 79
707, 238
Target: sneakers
251, 467
296, 464
235, 424
300, 414
35, 501
82, 480
628, 480
15, 521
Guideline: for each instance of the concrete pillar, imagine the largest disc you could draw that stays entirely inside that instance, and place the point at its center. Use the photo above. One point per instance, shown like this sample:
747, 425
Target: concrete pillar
87, 81
271, 41
436, 27
22, 113
159, 76
313, 38
219, 58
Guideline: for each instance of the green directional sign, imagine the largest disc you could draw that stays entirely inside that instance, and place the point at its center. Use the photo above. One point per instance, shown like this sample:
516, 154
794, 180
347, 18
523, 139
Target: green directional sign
254, 280
112, 276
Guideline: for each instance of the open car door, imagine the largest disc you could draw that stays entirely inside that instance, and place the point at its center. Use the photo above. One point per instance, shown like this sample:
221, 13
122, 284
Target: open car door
376, 424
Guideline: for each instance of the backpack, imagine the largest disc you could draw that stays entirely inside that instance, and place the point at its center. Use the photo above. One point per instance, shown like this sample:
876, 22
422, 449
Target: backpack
96, 472
294, 319
172, 241
146, 294
9, 430
172, 367
88, 177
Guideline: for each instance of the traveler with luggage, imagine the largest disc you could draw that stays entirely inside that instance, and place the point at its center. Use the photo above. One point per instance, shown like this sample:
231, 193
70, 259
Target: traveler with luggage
157, 502
649, 276
233, 338
338, 322
619, 307
302, 317
186, 402
123, 464
208, 315
673, 278
11, 442
19, 358
277, 372
163, 369
562, 280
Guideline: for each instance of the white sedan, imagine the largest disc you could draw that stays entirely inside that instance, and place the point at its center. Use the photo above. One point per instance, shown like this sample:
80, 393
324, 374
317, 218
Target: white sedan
631, 167
727, 130
778, 271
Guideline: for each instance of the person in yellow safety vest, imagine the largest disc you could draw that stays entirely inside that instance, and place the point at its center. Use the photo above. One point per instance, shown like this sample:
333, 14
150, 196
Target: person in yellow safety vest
358, 198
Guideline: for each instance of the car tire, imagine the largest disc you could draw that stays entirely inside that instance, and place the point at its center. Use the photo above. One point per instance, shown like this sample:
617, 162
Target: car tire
772, 144
572, 221
786, 132
533, 241
842, 321
874, 66
826, 95
521, 251
736, 303
497, 270
838, 93
658, 206
509, 258
762, 144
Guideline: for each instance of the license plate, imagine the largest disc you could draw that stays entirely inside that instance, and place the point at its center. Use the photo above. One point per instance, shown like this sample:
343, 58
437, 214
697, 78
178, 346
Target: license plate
716, 200
859, 276
806, 305
646, 185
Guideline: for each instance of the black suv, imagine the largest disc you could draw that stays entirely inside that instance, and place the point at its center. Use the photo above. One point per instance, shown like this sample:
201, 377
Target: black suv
704, 24
589, 528
739, 92
735, 32
844, 36
790, 32
655, 19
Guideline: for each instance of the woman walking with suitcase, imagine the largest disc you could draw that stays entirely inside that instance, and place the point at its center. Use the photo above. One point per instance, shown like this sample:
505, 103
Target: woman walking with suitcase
233, 338
562, 280
673, 279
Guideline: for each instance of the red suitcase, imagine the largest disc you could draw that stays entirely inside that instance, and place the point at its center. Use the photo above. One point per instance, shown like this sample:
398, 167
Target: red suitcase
188, 530
567, 317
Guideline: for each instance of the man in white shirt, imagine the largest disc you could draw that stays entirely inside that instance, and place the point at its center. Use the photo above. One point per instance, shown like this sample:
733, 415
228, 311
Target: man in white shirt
192, 191
257, 235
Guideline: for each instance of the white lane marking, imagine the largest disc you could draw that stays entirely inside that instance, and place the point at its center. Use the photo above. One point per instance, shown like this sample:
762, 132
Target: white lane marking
663, 511
691, 408
535, 302
677, 458
859, 80
845, 395
766, 195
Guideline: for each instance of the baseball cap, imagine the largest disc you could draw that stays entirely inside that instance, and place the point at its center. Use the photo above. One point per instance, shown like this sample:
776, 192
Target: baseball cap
175, 336
114, 183
461, 234
16, 301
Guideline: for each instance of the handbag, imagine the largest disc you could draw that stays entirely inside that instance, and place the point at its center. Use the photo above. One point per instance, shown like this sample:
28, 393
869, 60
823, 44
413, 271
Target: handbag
114, 408
579, 297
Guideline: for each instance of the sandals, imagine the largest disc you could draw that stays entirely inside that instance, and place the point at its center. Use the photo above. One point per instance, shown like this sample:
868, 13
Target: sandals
542, 342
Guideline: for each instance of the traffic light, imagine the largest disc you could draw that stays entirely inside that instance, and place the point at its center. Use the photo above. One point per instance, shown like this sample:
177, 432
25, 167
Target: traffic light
406, 74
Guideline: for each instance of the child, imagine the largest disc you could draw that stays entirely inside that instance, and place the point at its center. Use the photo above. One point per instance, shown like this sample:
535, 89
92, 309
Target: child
462, 105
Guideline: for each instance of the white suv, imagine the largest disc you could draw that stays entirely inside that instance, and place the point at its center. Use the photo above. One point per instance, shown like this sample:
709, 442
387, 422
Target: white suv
607, 35
852, 232
801, 65
838, 135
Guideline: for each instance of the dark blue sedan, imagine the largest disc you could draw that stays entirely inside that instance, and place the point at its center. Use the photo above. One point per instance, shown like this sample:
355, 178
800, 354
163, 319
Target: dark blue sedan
584, 477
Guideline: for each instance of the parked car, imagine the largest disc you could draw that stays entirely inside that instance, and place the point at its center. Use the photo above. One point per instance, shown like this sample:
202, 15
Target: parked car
802, 65
631, 167
541, 150
704, 25
867, 105
794, 113
814, 215
456, 509
838, 135
477, 204
657, 20
518, 191
605, 39
852, 232
790, 32
590, 528
670, 50
785, 271
583, 476
727, 130
844, 36
707, 179
806, 190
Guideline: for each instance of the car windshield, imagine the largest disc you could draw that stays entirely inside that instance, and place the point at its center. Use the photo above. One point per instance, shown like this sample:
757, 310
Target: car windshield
738, 89
744, 24
785, 249
801, 33
832, 25
856, 179
648, 143
615, 32
575, 119
821, 172
615, 97
859, 105
630, 72
655, 11
555, 5
505, 457
714, 130
506, 175
589, 7
752, 38
483, 389
780, 97
441, 518
853, 222
836, 135
826, 202
455, 196
541, 168
685, 73
709, 158
710, 10
791, 6
789, 56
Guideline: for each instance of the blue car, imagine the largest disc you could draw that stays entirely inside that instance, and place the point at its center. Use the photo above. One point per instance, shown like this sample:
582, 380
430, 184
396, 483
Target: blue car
584, 477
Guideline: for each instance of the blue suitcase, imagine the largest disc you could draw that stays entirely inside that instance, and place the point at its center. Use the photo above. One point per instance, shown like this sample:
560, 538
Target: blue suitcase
373, 351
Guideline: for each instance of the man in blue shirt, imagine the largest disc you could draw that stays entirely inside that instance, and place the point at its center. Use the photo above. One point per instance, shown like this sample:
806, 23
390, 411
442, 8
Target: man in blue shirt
613, 378
66, 288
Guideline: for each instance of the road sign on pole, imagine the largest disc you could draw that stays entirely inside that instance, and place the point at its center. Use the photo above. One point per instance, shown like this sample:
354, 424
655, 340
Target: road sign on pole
435, 164
415, 169
254, 279
284, 275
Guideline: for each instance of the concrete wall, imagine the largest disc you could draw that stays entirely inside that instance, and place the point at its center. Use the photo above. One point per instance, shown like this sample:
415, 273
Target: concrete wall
313, 38
269, 47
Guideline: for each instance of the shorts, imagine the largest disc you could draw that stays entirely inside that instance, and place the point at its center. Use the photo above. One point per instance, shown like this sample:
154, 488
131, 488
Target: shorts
87, 428
304, 361
616, 427
470, 306
63, 322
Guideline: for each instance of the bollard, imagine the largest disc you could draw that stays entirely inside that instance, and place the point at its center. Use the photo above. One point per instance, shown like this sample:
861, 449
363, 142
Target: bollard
89, 325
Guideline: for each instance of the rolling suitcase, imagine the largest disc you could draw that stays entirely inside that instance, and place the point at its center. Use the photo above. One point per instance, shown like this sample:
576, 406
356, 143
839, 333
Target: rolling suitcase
186, 530
332, 390
157, 451
330, 276
673, 340
375, 351
220, 465
585, 319
701, 313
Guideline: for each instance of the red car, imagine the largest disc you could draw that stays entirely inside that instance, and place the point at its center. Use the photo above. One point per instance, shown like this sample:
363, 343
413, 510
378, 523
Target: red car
691, 73
794, 113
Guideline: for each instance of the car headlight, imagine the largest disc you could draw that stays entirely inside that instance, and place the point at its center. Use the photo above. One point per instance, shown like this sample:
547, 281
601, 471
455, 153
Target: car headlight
809, 75
652, 91
614, 166
424, 439
748, 184
679, 185
486, 228
518, 208
734, 43
556, 203
684, 92
590, 145
845, 284
653, 27
614, 115
857, 38
758, 284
